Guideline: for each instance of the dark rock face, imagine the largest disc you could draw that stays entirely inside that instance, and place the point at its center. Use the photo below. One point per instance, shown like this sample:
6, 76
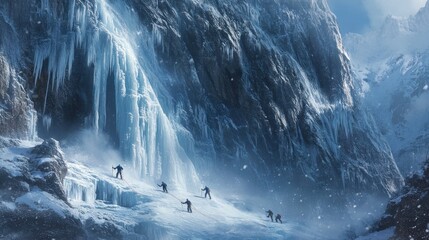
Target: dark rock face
409, 211
26, 224
267, 84
16, 109
17, 116
31, 194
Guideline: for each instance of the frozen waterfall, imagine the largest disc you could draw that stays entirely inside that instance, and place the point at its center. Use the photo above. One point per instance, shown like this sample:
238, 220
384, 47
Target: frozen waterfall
109, 36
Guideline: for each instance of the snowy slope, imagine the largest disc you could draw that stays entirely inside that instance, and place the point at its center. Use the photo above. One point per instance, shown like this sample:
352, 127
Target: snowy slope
157, 215
131, 209
392, 63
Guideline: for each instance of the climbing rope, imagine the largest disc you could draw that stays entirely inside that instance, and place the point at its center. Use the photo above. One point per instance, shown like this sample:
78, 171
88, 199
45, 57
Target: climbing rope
175, 197
129, 185
207, 216
194, 208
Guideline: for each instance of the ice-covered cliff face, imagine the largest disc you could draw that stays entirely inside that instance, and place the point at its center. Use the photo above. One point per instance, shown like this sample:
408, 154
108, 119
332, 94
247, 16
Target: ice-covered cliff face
261, 88
17, 116
392, 63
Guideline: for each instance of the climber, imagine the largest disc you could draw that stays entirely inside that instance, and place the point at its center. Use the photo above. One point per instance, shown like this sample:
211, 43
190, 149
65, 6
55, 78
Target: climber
164, 187
187, 202
119, 172
279, 217
207, 192
270, 214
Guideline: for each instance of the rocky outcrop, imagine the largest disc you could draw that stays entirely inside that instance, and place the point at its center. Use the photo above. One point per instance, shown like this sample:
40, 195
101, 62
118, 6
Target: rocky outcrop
408, 212
47, 159
33, 204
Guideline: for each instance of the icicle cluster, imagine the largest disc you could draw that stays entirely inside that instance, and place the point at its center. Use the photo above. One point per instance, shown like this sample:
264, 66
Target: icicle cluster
109, 37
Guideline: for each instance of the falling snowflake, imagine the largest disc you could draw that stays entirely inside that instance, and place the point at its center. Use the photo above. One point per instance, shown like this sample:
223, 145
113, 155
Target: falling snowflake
425, 87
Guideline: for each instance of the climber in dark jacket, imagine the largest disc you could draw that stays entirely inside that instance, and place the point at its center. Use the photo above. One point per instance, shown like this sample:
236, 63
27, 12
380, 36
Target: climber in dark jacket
207, 192
119, 169
279, 217
187, 202
164, 187
270, 214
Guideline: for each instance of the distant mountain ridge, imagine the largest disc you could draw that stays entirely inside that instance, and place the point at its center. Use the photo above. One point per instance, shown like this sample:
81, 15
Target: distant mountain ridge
392, 63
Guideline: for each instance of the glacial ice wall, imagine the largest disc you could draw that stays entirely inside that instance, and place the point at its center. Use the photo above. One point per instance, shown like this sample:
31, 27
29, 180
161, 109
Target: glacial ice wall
80, 189
112, 194
83, 186
118, 47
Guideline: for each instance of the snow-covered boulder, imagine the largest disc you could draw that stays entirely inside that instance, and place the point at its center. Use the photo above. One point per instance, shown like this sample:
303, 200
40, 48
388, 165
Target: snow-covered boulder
49, 167
32, 201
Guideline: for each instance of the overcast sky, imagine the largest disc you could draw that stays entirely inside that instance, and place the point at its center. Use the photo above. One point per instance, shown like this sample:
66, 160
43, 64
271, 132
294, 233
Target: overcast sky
360, 15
